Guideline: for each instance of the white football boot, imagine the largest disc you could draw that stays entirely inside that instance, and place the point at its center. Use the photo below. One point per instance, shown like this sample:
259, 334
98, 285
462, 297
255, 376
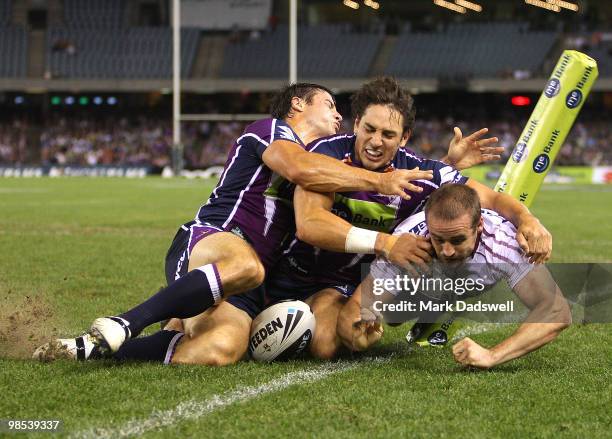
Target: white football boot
110, 333
79, 348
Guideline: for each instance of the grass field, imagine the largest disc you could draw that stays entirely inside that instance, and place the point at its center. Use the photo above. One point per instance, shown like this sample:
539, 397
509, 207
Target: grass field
74, 249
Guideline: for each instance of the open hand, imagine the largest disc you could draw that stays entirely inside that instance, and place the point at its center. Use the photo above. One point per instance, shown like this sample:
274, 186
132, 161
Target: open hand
465, 152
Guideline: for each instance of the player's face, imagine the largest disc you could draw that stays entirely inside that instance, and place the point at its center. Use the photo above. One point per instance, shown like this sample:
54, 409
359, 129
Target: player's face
379, 136
322, 115
453, 241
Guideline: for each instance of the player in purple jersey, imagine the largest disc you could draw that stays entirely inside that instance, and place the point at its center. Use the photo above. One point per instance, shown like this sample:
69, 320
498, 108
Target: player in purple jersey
473, 244
237, 234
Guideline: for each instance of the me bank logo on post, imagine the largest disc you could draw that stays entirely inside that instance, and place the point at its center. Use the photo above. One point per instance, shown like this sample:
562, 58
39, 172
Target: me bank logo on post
520, 152
540, 164
573, 98
553, 87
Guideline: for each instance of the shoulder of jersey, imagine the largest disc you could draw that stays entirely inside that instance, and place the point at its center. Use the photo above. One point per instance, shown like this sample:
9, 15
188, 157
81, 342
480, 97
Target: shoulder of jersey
414, 224
495, 218
259, 125
344, 139
260, 129
405, 153
264, 129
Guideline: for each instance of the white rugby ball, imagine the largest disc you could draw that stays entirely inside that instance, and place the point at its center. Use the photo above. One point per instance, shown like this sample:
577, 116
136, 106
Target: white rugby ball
281, 331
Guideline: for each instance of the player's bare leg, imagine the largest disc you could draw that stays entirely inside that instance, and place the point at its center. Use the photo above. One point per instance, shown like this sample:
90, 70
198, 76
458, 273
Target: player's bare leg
217, 337
239, 266
326, 306
220, 264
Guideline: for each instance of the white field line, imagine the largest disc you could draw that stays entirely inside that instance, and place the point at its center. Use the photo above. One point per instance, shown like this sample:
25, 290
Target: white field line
22, 190
480, 327
195, 409
477, 328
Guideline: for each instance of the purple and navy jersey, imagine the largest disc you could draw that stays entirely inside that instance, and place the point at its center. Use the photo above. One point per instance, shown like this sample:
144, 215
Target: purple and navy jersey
366, 210
250, 199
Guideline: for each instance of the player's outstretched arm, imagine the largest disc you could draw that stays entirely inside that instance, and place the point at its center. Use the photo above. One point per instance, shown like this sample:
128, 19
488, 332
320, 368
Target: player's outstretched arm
472, 150
532, 236
316, 225
549, 315
320, 173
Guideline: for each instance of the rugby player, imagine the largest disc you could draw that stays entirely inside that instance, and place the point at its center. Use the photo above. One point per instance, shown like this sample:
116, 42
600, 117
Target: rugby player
479, 244
384, 119
237, 234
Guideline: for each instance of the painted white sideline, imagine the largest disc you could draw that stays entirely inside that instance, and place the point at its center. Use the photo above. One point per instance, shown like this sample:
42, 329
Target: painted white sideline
194, 409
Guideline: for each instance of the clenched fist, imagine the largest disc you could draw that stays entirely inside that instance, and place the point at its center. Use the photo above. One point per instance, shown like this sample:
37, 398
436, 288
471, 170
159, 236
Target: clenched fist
534, 239
469, 353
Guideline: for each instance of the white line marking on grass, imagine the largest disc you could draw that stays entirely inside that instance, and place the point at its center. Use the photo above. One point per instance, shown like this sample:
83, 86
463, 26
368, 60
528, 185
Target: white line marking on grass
195, 409
22, 190
478, 328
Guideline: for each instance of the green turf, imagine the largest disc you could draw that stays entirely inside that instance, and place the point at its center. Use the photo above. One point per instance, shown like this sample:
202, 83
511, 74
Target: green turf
80, 248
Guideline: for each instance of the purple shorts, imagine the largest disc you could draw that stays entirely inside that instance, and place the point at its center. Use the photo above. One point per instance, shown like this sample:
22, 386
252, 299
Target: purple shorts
187, 236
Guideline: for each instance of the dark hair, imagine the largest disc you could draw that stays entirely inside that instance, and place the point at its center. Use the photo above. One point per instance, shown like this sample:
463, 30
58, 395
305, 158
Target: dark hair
384, 91
281, 103
452, 201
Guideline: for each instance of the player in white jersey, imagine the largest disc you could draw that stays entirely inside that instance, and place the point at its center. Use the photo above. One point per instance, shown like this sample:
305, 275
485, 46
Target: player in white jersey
469, 243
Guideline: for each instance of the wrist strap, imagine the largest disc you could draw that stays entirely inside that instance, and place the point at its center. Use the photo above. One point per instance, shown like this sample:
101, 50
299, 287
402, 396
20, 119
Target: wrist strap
360, 241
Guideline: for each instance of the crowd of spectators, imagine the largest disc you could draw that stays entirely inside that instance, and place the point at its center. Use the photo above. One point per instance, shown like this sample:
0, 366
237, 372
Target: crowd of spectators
13, 142
89, 142
139, 142
148, 142
588, 143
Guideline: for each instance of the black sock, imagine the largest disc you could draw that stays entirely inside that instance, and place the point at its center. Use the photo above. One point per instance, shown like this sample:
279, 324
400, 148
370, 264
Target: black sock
157, 347
186, 297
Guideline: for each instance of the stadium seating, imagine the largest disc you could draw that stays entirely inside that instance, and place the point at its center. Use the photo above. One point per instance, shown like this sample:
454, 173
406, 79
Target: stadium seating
5, 12
103, 46
470, 50
13, 52
13, 44
326, 51
95, 14
95, 40
119, 53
